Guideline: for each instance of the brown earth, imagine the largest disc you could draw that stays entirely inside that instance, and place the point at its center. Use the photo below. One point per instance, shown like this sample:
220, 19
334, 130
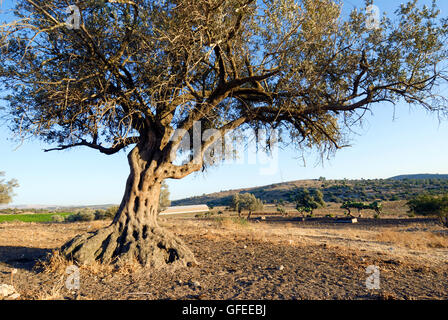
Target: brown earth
273, 259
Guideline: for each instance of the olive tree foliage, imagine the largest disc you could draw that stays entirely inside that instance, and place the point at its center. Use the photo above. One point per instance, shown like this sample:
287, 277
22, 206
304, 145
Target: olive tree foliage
307, 201
136, 68
6, 189
247, 202
140, 74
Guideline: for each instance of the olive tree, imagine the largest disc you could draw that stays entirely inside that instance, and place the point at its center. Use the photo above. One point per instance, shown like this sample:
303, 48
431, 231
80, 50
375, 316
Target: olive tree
138, 75
307, 201
376, 206
246, 201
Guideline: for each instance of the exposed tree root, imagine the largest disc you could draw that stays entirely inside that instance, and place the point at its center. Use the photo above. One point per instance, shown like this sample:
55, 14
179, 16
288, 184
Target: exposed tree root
154, 247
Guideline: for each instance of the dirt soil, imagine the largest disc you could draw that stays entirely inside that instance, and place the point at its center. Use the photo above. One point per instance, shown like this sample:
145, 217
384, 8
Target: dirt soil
272, 259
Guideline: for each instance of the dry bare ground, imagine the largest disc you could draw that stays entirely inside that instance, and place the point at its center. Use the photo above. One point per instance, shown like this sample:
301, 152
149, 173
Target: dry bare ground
282, 258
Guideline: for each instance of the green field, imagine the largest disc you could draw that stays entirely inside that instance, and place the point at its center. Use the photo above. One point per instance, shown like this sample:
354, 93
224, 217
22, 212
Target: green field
37, 217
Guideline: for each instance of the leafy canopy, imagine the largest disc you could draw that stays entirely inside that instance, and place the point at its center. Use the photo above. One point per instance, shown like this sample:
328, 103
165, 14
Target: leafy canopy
246, 201
136, 70
307, 201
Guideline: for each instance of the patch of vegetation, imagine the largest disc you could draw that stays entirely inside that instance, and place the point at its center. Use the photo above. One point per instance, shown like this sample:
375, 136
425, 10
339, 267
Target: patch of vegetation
81, 216
90, 215
42, 217
57, 218
427, 205
307, 202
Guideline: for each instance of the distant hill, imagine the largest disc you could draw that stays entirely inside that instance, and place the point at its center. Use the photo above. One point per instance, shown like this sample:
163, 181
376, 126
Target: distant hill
420, 176
402, 187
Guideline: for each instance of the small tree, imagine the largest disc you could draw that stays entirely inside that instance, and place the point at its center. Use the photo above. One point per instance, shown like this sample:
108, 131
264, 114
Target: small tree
307, 201
236, 204
348, 205
281, 209
6, 189
164, 199
375, 205
426, 205
246, 201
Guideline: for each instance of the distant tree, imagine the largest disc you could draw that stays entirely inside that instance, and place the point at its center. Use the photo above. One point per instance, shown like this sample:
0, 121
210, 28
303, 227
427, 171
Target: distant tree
430, 205
348, 205
248, 202
375, 206
281, 209
7, 189
235, 205
307, 201
164, 199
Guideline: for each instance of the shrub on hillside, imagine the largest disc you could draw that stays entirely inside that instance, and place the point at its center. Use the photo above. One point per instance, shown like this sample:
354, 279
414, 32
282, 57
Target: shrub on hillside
427, 205
57, 218
111, 212
105, 214
81, 216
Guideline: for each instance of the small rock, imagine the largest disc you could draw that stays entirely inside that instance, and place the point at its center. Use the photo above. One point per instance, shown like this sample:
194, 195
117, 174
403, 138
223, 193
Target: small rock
14, 296
8, 292
245, 247
281, 268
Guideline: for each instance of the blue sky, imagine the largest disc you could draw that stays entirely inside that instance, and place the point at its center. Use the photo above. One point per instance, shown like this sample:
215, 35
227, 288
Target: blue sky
409, 141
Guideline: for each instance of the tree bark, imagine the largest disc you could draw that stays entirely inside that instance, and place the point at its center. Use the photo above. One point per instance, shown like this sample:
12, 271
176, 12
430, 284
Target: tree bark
134, 232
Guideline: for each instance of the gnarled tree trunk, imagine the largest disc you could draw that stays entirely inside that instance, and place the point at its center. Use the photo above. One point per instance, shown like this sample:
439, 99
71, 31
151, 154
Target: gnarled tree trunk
134, 232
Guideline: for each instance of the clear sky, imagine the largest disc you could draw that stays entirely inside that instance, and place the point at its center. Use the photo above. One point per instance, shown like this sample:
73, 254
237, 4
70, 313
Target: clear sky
407, 141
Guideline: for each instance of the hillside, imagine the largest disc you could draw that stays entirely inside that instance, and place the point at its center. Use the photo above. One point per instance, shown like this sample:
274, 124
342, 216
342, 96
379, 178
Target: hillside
420, 176
333, 190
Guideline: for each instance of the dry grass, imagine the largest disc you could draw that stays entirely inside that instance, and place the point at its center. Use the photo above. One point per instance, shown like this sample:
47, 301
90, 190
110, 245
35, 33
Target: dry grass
429, 241
55, 293
55, 264
43, 235
231, 223
58, 264
413, 240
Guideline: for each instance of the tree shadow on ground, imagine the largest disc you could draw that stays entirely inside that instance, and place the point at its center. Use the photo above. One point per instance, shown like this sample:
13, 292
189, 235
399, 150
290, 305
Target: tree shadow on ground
22, 257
